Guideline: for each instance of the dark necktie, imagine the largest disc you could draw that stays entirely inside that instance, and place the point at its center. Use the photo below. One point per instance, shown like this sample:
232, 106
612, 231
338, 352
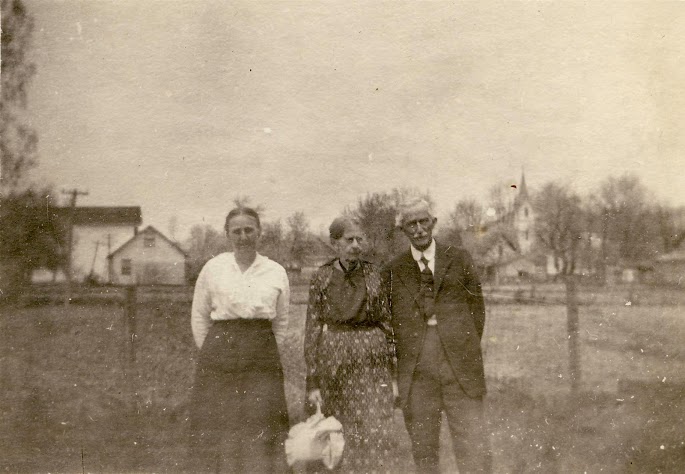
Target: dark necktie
426, 288
426, 268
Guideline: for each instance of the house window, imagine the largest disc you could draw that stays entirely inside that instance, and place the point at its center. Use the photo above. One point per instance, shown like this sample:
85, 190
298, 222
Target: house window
149, 241
125, 266
526, 235
525, 211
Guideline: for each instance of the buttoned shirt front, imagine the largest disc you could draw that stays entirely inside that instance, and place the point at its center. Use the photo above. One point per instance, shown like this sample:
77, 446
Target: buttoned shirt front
224, 292
428, 254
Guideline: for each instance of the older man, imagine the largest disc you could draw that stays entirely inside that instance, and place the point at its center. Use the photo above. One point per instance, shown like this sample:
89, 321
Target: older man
438, 318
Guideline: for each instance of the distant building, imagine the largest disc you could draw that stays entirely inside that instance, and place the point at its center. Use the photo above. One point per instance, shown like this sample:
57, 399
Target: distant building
148, 258
96, 232
523, 219
320, 253
670, 267
518, 221
501, 261
506, 245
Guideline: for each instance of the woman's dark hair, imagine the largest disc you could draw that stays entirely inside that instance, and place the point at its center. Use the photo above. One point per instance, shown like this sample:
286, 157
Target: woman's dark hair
340, 225
242, 211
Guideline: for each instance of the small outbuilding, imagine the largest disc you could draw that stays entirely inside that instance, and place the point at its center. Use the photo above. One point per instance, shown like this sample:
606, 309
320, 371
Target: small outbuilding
148, 258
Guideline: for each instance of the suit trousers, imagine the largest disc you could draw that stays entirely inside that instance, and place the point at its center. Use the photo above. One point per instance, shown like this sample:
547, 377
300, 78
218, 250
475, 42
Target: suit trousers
435, 389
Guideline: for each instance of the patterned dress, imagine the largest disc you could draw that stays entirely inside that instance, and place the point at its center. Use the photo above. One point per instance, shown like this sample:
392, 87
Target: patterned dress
350, 356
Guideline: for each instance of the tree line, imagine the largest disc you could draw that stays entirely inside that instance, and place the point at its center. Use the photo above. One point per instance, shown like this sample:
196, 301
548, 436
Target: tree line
28, 237
619, 222
289, 245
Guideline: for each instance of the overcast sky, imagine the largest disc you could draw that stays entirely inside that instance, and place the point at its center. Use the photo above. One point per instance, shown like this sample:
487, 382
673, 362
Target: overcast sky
179, 106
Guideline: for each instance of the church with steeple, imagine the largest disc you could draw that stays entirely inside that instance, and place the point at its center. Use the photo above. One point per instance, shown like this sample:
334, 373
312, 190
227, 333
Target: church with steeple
523, 218
508, 248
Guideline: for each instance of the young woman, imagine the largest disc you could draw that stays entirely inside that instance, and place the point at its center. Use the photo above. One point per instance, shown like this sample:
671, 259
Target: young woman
239, 418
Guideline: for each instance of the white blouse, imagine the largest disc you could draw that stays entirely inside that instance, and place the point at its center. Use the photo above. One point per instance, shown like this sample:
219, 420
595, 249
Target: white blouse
223, 292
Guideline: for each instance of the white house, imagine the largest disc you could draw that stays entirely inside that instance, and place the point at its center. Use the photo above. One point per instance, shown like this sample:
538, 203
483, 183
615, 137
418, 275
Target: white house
97, 230
148, 258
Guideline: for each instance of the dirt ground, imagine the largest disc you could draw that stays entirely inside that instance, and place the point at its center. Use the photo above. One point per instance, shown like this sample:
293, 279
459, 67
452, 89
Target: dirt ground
78, 394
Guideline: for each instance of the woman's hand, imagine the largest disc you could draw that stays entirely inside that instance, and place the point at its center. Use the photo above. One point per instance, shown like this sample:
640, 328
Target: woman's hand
314, 397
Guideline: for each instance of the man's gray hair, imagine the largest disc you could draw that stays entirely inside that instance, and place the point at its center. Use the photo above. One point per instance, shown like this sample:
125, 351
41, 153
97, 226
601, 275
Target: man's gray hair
415, 205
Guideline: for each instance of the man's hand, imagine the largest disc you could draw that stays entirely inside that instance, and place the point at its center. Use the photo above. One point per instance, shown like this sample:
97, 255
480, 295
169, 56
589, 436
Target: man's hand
314, 397
395, 394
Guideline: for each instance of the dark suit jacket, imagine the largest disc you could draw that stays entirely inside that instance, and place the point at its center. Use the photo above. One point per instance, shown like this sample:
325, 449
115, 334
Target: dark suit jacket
459, 310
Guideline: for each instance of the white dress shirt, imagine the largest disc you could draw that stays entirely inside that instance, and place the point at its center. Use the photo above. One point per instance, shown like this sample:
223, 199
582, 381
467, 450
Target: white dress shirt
223, 292
428, 254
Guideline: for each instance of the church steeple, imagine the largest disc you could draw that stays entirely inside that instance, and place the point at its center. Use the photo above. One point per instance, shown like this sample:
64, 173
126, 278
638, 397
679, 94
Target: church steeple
522, 195
523, 189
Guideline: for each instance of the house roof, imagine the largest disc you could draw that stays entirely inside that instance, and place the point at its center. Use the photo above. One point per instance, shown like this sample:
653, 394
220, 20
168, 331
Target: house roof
495, 234
148, 230
321, 251
101, 215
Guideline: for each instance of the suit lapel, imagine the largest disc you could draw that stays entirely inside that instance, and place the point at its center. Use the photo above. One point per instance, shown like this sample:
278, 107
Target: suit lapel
408, 275
443, 260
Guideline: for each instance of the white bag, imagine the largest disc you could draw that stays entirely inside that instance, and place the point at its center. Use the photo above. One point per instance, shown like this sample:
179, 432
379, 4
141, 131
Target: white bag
316, 439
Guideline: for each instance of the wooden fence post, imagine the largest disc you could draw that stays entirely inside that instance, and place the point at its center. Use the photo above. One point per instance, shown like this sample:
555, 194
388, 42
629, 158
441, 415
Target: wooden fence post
573, 330
134, 422
131, 297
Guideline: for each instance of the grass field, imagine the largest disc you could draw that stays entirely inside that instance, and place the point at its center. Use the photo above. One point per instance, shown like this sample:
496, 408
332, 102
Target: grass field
76, 398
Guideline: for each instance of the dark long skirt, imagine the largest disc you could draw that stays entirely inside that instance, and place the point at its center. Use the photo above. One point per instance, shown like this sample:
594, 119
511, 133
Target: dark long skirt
239, 418
356, 387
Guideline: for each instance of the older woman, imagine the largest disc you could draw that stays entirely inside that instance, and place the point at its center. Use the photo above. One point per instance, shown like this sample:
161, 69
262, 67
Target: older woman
349, 351
240, 313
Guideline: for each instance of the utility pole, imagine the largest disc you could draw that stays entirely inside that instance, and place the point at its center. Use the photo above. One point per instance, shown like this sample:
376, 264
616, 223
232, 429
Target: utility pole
95, 255
109, 260
74, 193
573, 332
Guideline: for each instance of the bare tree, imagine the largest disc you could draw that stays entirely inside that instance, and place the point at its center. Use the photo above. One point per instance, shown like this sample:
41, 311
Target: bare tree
18, 142
299, 238
468, 215
376, 215
273, 243
464, 224
559, 225
204, 243
671, 231
623, 206
501, 198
